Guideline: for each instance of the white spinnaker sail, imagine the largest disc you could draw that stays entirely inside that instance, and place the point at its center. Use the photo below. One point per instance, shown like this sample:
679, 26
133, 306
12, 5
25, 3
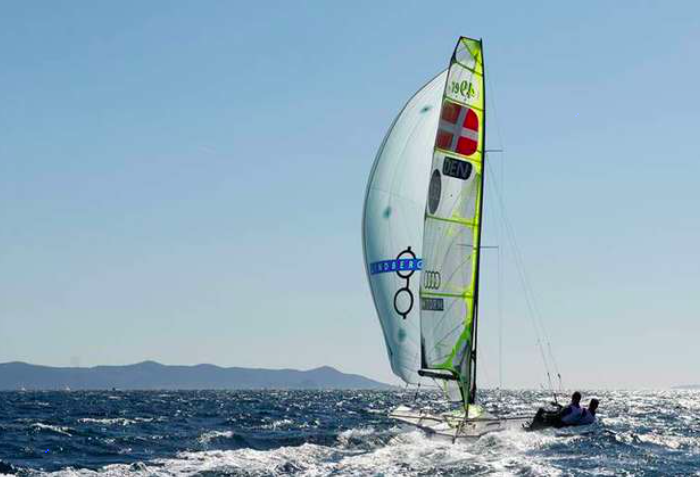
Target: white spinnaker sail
451, 244
393, 225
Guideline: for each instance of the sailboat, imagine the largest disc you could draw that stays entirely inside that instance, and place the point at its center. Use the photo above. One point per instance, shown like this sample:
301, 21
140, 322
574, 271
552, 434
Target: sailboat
422, 228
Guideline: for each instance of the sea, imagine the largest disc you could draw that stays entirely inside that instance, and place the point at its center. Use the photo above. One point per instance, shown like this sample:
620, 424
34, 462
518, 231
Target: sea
319, 433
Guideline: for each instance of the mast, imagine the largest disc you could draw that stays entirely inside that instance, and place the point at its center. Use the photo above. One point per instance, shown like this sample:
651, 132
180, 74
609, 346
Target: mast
477, 246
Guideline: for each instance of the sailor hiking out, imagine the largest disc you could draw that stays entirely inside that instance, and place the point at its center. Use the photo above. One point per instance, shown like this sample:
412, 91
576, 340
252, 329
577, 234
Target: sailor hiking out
570, 415
588, 414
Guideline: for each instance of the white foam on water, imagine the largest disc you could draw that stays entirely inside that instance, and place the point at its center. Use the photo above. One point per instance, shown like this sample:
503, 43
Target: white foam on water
355, 433
48, 427
278, 424
207, 437
624, 441
413, 453
404, 454
306, 459
121, 421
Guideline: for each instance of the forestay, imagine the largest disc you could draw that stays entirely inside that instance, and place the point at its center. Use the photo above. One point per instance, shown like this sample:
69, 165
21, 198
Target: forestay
393, 225
452, 234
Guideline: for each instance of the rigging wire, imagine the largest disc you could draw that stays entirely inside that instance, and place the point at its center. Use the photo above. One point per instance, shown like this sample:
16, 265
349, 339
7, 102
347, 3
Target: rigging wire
499, 291
415, 397
493, 219
530, 296
515, 251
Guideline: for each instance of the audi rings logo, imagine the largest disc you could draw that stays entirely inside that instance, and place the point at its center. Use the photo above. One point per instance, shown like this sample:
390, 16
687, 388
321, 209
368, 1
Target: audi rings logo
403, 298
431, 280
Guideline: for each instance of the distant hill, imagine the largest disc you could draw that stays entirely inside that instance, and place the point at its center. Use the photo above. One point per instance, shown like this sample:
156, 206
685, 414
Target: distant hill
687, 386
152, 375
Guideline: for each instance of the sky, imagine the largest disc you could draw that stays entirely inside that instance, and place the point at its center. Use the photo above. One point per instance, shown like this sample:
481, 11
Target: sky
184, 181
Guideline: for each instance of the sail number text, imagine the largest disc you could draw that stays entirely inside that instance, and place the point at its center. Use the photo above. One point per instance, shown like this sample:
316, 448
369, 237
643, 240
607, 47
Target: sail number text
463, 88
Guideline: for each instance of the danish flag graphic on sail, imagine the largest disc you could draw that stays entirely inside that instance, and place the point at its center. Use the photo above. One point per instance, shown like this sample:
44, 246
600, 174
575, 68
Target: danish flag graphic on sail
458, 130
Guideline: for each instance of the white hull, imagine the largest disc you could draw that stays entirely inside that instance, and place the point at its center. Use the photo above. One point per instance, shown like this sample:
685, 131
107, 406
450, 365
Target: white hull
453, 426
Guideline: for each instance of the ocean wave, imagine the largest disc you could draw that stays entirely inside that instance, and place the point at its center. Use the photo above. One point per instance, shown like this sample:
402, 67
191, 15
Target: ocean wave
207, 437
307, 434
278, 424
120, 421
407, 454
39, 426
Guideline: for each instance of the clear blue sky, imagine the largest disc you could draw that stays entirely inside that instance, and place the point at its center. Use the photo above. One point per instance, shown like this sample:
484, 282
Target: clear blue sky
183, 181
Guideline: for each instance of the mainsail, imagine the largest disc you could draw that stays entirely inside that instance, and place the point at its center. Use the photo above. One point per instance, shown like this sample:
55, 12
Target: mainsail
422, 251
393, 225
452, 232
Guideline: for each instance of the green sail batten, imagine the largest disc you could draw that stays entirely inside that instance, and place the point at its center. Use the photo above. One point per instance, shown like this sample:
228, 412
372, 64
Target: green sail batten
455, 100
447, 295
475, 159
464, 222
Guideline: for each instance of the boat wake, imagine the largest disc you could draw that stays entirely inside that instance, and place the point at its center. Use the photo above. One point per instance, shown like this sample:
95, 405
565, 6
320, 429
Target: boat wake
359, 451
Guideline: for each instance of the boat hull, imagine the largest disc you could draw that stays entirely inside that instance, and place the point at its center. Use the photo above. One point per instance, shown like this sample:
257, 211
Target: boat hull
453, 426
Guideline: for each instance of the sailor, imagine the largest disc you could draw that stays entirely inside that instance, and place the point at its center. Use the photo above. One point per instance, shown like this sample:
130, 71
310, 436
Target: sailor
588, 415
571, 414
565, 416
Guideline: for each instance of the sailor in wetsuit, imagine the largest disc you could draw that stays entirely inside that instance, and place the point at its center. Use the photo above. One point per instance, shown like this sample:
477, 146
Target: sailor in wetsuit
567, 416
